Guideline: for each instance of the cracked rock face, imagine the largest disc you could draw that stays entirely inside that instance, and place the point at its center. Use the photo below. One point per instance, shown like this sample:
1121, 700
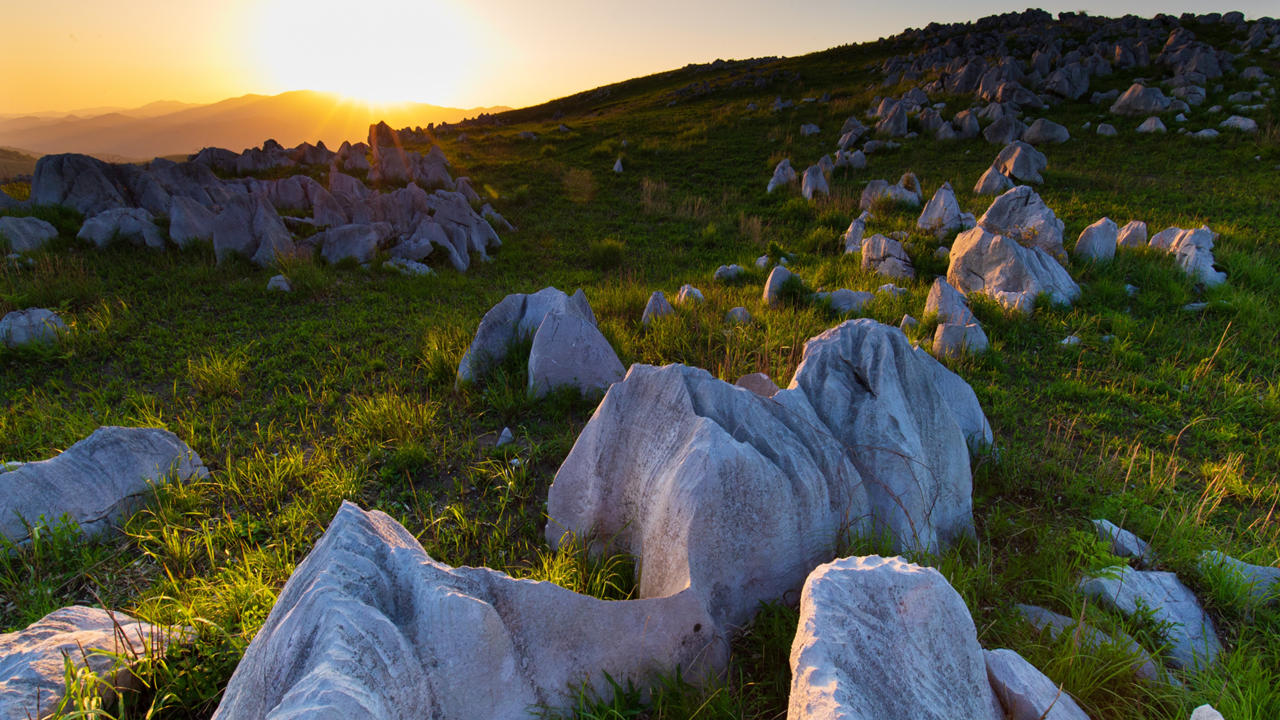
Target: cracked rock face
1020, 214
1011, 274
883, 638
370, 626
740, 496
96, 481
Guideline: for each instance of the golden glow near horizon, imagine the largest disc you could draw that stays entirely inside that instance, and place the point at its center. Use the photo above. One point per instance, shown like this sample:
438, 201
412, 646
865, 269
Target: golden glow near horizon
62, 55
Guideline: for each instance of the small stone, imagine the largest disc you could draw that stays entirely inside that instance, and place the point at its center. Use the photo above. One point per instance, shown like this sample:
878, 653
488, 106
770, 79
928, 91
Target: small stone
1070, 340
1206, 712
738, 316
506, 437
617, 166
728, 273
689, 294
1106, 130
809, 129
1131, 290
773, 286
1123, 543
1098, 241
892, 289
954, 339
942, 251
762, 262
279, 283
656, 307
1151, 125
1195, 307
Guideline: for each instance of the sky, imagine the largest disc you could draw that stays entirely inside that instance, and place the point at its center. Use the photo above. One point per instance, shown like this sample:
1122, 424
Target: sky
63, 55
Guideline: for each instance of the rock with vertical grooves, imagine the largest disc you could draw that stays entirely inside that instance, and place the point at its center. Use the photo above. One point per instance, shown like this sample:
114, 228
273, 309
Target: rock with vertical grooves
887, 257
689, 295
783, 175
853, 236
882, 638
132, 225
1133, 234
815, 182
1020, 214
515, 319
189, 221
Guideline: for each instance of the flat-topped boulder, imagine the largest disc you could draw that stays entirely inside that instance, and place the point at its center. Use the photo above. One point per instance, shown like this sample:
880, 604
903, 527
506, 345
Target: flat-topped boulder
95, 482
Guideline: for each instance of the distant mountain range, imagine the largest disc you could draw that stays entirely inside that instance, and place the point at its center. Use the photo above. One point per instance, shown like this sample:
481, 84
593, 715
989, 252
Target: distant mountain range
172, 128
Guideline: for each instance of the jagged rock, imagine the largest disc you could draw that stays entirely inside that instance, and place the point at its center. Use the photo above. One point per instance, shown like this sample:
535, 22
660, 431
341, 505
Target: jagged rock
569, 350
1193, 640
426, 238
894, 122
758, 383
966, 125
1261, 579
1090, 638
389, 632
853, 236
1193, 251
617, 165
882, 638
783, 175
729, 273
33, 661
773, 285
906, 192
190, 221
516, 318
1043, 132
86, 184
656, 307
358, 242
1025, 692
945, 132
134, 225
1133, 234
948, 304
279, 283
689, 295
1020, 214
496, 220
31, 326
1070, 81
673, 458
942, 213
1013, 92
954, 339
1151, 125
26, 234
463, 185
1243, 124
249, 225
1019, 160
992, 182
1139, 100
1004, 131
1106, 130
815, 182
96, 481
738, 316
1122, 542
887, 257
1009, 273
218, 158
1098, 241
855, 160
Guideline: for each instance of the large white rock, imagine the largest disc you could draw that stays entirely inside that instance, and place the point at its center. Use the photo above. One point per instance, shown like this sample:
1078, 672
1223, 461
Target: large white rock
1025, 692
1133, 234
948, 304
954, 339
370, 626
906, 192
189, 221
942, 213
656, 307
26, 233
133, 225
33, 325
1193, 251
250, 226
569, 350
96, 481
1098, 241
886, 256
959, 396
1011, 274
740, 497
518, 317
783, 174
1021, 215
32, 661
1193, 640
815, 182
1021, 161
883, 639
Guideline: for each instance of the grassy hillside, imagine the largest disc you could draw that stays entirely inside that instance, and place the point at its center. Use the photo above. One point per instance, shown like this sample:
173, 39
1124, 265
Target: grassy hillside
344, 389
13, 162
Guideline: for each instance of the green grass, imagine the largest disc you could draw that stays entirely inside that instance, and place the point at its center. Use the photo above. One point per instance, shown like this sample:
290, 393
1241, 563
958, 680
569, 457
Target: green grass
343, 389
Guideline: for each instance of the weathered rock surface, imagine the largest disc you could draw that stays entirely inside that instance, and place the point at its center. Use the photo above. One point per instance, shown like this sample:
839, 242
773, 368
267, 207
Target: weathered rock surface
656, 307
1193, 640
1206, 712
1261, 579
132, 225
190, 221
358, 242
715, 488
844, 300
728, 273
1020, 214
26, 234
1133, 234
882, 638
783, 175
942, 213
906, 192
1098, 241
1123, 543
958, 330
1011, 274
815, 182
250, 226
992, 182
853, 236
1044, 132
689, 295
518, 317
1090, 638
1193, 251
1025, 692
569, 350
738, 316
31, 326
773, 285
1020, 161
32, 661
279, 283
370, 626
886, 256
1139, 100
1004, 131
758, 383
95, 481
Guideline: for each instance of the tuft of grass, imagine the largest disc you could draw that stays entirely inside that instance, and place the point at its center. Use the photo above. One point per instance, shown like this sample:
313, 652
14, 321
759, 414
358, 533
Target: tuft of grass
605, 254
580, 185
391, 416
217, 374
575, 566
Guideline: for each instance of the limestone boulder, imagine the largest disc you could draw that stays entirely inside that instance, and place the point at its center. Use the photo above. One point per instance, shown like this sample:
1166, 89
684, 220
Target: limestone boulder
846, 301
955, 339
569, 351
992, 182
1122, 542
26, 234
1260, 579
96, 481
370, 626
715, 488
1025, 692
883, 638
783, 175
1193, 251
738, 316
758, 383
33, 326
947, 304
886, 256
657, 307
190, 221
1139, 100
729, 273
1019, 160
1006, 271
1098, 241
1194, 643
815, 183
1020, 214
689, 295
960, 397
358, 242
942, 213
33, 660
1005, 130
1133, 234
906, 192
1044, 132
249, 225
893, 121
132, 225
1090, 638
852, 237
1151, 125
1070, 81
773, 286
86, 184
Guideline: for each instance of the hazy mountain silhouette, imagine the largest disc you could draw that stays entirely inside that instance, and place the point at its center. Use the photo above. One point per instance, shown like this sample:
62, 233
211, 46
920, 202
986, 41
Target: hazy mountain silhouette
238, 123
